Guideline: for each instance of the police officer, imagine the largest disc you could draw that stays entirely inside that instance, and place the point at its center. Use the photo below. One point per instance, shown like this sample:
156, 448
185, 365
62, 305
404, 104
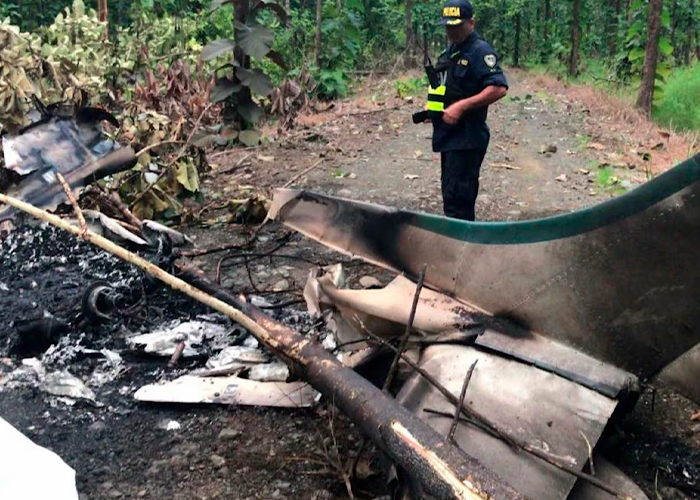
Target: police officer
464, 81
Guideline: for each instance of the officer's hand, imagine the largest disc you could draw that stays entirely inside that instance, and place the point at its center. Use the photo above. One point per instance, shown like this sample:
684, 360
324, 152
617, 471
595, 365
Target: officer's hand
452, 114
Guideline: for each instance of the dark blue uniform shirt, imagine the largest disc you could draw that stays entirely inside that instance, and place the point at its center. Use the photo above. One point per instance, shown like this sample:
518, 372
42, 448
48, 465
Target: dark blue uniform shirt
470, 67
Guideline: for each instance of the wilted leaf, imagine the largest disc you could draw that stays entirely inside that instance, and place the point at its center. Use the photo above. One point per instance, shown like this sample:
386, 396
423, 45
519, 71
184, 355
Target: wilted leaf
217, 48
188, 176
250, 137
255, 41
596, 145
250, 111
258, 81
224, 88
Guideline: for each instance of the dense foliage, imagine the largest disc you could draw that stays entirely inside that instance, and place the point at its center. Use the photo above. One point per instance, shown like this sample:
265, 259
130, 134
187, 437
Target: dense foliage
571, 38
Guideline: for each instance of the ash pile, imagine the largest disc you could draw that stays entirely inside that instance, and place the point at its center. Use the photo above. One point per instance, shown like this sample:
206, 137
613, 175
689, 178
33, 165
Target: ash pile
77, 319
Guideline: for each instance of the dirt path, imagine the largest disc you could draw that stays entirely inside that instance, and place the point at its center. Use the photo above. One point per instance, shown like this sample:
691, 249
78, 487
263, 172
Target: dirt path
382, 157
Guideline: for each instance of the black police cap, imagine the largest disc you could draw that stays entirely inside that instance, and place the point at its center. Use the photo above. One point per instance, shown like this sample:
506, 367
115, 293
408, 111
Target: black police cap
455, 12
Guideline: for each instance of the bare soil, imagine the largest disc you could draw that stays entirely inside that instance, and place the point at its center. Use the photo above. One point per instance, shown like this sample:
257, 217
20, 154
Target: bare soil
368, 150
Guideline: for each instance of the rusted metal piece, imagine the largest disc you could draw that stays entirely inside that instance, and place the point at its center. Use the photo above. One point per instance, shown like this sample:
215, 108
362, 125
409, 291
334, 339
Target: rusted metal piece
442, 469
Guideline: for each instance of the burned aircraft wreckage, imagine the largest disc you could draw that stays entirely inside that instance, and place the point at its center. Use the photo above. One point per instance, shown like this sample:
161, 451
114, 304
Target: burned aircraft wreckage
558, 321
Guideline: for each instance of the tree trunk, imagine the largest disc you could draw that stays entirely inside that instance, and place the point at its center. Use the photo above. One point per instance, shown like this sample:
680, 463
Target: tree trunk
691, 7
645, 98
317, 44
516, 45
674, 23
410, 37
102, 15
288, 6
545, 31
575, 38
614, 26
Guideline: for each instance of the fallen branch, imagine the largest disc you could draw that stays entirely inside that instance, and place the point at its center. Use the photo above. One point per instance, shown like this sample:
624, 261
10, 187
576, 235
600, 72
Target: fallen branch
73, 202
443, 471
458, 407
695, 417
505, 165
303, 173
394, 368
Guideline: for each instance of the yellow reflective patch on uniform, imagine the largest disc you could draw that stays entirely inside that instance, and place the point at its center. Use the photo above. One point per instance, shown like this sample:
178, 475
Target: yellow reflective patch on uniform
450, 12
463, 62
490, 60
438, 91
436, 106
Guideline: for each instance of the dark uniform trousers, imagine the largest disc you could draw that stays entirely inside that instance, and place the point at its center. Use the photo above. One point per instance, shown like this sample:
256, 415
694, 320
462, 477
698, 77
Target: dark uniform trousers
460, 182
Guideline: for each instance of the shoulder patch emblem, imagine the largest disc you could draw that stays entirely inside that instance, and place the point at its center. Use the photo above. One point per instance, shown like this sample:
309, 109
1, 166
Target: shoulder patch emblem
463, 62
490, 60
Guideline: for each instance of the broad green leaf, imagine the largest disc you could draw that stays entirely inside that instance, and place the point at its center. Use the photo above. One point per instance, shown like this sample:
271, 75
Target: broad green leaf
665, 47
255, 41
258, 81
273, 6
636, 54
664, 71
217, 48
224, 88
218, 3
250, 137
188, 176
250, 111
665, 18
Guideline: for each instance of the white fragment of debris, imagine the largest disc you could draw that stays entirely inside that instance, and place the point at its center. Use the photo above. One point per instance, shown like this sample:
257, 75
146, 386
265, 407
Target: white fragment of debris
151, 229
113, 358
110, 228
270, 372
4, 287
63, 383
169, 425
230, 390
329, 343
35, 365
258, 301
251, 341
232, 355
194, 333
21, 460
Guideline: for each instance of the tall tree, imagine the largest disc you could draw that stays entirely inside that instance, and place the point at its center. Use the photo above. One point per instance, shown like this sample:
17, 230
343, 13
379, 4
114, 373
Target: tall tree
317, 44
645, 98
575, 38
103, 14
516, 44
545, 31
410, 40
614, 26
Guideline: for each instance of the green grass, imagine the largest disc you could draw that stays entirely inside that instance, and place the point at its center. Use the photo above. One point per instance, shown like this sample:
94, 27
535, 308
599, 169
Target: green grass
678, 107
